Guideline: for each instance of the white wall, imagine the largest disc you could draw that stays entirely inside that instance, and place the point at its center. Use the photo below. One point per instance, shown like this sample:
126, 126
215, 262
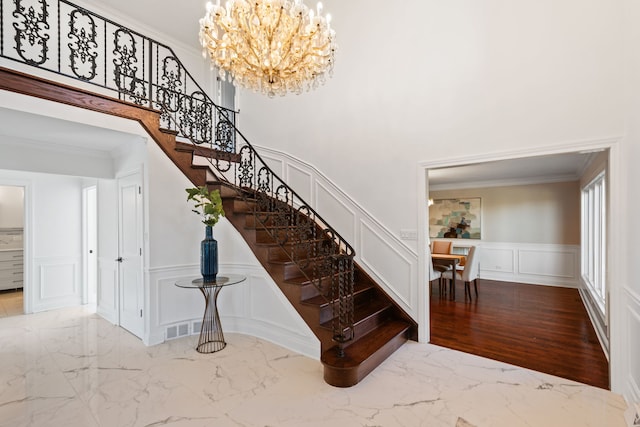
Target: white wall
536, 213
474, 77
11, 207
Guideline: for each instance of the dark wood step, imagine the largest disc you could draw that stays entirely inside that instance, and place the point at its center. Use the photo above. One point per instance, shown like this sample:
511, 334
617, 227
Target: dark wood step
364, 355
208, 152
367, 317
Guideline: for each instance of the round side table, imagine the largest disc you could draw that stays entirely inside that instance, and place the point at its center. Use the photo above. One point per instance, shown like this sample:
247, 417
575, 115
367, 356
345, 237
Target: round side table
211, 336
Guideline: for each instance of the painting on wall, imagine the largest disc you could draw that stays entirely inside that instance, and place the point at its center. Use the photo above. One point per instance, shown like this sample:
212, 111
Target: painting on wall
455, 218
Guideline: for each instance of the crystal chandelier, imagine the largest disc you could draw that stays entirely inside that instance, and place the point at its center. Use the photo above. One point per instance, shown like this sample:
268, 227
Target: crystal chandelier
269, 46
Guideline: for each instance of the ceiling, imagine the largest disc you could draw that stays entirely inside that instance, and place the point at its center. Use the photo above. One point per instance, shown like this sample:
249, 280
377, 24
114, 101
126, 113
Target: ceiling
38, 129
526, 170
179, 23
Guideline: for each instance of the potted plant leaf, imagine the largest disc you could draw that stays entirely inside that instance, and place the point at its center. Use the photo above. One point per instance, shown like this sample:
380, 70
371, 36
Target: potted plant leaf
208, 205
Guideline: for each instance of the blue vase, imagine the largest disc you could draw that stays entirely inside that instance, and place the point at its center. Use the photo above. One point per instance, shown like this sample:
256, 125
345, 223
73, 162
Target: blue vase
209, 256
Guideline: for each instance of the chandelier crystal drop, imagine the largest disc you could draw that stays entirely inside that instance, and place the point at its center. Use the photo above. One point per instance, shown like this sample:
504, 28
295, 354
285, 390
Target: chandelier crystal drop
269, 46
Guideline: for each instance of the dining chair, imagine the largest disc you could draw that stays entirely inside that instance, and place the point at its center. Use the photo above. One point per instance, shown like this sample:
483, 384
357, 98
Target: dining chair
441, 247
468, 274
433, 273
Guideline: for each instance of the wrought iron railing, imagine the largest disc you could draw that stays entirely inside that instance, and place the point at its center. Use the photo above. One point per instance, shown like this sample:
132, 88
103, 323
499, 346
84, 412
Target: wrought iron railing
81, 45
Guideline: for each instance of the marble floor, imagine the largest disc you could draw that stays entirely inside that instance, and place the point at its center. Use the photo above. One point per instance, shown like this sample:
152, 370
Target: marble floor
71, 368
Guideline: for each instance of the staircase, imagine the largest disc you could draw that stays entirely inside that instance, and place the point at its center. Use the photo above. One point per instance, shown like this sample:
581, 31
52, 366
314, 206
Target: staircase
357, 323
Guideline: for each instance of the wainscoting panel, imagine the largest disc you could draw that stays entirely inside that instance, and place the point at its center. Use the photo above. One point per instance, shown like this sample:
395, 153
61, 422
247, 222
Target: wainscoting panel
275, 164
254, 307
551, 263
301, 181
388, 265
539, 264
336, 212
108, 289
56, 283
497, 260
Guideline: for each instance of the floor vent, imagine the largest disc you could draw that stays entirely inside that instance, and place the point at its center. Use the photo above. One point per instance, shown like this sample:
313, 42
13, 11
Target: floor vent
172, 332
183, 330
195, 327
177, 331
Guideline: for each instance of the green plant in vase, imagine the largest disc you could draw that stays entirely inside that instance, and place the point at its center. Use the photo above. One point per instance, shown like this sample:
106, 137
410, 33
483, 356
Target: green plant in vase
208, 205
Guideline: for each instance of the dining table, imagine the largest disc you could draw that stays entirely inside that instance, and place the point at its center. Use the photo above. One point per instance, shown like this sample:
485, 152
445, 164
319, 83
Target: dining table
450, 261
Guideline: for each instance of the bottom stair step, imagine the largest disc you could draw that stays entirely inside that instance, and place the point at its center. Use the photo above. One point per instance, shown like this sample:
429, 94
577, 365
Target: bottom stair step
364, 355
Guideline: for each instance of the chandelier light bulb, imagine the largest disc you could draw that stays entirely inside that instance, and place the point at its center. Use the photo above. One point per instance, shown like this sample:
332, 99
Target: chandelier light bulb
269, 46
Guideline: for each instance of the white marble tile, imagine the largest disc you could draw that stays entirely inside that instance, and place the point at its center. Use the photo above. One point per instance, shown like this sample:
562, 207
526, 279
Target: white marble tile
71, 368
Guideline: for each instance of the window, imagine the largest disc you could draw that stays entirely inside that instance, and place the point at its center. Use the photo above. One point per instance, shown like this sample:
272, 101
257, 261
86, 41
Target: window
594, 240
226, 94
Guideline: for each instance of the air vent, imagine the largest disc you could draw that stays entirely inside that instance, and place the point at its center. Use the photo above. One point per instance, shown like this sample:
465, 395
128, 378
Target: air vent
196, 326
177, 331
172, 332
183, 330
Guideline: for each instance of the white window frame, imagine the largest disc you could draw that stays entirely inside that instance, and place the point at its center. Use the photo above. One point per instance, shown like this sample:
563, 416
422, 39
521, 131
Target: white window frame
594, 239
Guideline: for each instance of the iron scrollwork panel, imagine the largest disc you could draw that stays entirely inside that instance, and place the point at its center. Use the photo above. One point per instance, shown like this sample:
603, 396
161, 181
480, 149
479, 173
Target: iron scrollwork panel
30, 32
196, 118
225, 134
83, 45
125, 61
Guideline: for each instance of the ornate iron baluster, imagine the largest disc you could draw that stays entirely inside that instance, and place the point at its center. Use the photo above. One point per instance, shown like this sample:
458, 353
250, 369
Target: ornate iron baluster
246, 168
125, 58
29, 34
83, 45
195, 118
169, 94
224, 135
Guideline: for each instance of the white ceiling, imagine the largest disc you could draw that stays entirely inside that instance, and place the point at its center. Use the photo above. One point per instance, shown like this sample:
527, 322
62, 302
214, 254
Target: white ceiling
526, 170
163, 16
38, 129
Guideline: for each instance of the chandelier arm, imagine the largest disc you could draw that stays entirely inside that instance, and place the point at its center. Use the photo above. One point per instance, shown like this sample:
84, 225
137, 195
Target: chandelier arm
246, 29
291, 34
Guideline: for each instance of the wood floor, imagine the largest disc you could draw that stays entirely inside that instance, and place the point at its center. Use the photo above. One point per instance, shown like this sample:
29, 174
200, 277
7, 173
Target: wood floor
11, 303
543, 328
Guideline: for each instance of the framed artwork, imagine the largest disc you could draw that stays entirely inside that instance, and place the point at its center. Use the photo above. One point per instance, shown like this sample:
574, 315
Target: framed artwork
455, 218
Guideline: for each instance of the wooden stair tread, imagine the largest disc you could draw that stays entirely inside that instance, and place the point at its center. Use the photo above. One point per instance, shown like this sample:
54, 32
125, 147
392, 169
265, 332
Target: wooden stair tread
365, 346
365, 354
364, 312
321, 301
204, 151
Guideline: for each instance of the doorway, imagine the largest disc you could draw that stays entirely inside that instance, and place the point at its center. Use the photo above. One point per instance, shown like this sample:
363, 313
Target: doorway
12, 213
586, 148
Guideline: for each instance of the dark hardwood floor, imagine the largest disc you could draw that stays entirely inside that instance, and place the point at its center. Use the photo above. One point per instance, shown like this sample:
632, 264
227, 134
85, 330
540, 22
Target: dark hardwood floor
543, 328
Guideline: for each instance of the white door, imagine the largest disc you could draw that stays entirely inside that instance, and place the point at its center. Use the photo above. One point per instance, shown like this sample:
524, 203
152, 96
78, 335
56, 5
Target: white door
90, 236
130, 253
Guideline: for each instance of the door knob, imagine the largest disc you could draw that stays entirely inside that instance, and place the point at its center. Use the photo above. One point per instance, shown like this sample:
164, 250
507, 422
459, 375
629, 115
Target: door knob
119, 259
